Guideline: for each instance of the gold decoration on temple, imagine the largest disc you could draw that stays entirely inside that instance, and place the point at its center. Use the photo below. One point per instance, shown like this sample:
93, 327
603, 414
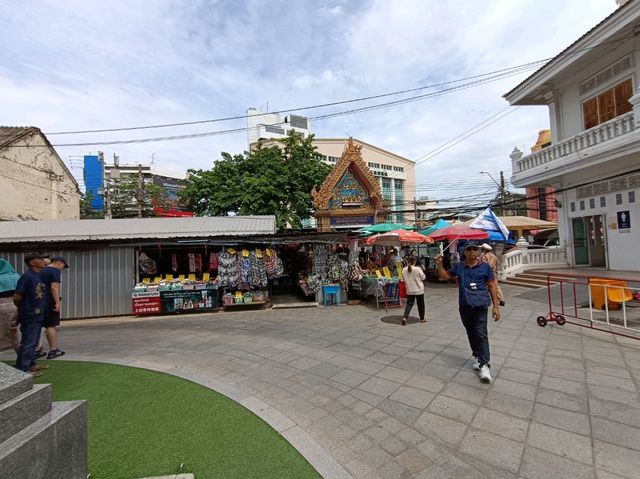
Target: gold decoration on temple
352, 205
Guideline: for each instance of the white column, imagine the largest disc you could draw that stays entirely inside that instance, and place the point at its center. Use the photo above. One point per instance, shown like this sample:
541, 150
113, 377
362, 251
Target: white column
635, 101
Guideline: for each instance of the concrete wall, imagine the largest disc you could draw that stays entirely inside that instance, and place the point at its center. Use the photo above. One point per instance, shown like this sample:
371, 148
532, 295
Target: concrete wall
621, 249
35, 184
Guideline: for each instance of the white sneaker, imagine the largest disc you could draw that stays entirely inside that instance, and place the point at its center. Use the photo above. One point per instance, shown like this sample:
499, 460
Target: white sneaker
485, 374
476, 364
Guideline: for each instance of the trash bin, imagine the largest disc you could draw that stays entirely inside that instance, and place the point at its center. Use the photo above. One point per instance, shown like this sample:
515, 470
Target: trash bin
615, 293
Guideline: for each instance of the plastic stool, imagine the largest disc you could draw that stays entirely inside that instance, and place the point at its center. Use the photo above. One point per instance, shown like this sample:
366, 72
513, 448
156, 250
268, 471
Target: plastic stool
333, 289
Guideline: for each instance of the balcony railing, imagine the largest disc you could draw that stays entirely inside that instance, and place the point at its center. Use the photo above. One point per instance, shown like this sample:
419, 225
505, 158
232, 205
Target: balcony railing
609, 130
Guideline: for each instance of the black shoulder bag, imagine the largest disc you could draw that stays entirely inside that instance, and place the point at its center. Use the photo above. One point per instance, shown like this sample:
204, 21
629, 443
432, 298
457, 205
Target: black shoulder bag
476, 298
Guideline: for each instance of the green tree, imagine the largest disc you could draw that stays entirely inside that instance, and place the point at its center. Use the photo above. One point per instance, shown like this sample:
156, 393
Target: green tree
275, 180
86, 210
126, 195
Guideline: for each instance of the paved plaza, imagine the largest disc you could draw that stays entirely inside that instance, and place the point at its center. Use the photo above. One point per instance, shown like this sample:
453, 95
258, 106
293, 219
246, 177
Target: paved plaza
363, 398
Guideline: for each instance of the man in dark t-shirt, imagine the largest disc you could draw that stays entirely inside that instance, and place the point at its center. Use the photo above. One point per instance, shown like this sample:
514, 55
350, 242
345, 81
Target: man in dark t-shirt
51, 276
29, 297
475, 276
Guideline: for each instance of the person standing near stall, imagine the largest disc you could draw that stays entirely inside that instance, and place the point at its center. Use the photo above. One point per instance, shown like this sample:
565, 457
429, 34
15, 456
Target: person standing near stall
476, 292
492, 260
51, 276
29, 298
8, 312
414, 281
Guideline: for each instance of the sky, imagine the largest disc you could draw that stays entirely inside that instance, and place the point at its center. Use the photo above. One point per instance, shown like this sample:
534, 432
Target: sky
76, 65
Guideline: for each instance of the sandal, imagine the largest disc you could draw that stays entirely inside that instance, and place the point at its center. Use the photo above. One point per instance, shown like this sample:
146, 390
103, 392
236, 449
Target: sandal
55, 353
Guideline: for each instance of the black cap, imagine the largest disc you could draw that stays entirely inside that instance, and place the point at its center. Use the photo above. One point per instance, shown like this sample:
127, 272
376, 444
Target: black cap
471, 244
30, 256
60, 259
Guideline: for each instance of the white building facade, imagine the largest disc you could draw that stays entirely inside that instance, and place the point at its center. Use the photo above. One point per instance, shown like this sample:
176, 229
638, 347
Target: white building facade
262, 126
591, 91
35, 184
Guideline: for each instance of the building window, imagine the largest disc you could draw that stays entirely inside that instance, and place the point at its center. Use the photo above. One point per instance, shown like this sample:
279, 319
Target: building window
573, 206
581, 205
632, 197
607, 105
603, 202
618, 198
386, 189
592, 203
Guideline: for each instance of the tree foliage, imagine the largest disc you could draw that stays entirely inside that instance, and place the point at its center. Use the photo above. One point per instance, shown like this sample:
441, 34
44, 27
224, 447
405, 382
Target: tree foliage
86, 210
275, 180
126, 195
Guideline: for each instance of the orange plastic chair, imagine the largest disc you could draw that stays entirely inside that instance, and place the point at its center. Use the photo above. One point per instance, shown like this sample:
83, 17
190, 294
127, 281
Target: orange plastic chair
616, 293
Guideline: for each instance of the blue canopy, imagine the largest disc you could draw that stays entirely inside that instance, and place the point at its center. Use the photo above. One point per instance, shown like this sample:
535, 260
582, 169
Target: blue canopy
436, 226
497, 237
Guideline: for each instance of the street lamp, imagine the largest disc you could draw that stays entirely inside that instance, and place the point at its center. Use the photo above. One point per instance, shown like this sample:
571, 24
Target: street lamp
492, 178
500, 189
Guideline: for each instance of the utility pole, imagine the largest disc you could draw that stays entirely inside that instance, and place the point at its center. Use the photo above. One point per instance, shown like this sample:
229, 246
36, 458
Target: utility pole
502, 193
140, 195
415, 211
106, 187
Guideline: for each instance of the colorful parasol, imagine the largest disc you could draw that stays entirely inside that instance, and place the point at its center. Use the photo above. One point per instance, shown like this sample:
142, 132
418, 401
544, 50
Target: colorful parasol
398, 237
458, 232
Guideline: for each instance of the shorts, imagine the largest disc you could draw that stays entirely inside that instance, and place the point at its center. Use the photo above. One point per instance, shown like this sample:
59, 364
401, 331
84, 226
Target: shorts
51, 318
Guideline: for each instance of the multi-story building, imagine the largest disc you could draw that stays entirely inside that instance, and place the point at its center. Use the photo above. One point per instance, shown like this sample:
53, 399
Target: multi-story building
395, 174
593, 161
273, 125
99, 176
542, 201
35, 184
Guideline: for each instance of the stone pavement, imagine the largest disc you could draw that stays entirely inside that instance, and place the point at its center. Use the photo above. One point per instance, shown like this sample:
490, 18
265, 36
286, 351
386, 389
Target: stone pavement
362, 398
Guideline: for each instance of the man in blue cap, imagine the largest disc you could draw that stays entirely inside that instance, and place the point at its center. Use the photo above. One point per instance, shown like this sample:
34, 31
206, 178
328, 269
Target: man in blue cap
476, 292
29, 297
51, 276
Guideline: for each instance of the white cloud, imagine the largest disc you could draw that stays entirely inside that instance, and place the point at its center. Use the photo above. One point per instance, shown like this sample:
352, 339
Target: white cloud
83, 65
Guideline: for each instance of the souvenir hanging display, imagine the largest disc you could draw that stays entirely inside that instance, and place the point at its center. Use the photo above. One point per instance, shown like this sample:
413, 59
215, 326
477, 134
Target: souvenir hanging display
227, 269
257, 270
213, 261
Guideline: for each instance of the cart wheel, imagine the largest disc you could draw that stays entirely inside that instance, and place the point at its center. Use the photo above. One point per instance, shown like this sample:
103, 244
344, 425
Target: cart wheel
560, 320
542, 321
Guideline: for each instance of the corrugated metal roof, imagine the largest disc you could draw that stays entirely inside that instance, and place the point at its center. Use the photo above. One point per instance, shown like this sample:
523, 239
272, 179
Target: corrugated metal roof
135, 228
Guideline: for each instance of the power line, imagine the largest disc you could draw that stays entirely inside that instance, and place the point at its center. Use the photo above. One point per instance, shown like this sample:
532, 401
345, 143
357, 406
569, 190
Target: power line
518, 69
316, 118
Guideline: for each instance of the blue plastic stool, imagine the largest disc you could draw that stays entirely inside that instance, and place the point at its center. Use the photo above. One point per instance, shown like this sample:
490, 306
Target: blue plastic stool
333, 289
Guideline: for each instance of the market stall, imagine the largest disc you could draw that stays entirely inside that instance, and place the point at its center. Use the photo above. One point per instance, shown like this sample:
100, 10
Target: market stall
386, 284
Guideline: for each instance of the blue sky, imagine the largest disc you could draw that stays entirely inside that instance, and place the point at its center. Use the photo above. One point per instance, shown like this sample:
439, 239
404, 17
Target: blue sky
68, 65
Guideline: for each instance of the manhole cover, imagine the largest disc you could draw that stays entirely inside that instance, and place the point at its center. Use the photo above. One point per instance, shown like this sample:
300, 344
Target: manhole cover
398, 319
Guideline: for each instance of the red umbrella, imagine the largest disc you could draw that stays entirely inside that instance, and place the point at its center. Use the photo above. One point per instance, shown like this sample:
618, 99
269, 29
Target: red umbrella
393, 238
458, 232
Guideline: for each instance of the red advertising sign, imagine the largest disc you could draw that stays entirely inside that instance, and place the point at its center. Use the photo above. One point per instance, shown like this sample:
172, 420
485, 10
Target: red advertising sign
145, 303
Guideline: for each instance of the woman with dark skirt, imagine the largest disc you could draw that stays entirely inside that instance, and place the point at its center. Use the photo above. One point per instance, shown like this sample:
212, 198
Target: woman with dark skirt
414, 281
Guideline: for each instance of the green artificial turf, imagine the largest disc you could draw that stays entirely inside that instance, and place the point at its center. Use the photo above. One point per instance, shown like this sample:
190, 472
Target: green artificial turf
143, 423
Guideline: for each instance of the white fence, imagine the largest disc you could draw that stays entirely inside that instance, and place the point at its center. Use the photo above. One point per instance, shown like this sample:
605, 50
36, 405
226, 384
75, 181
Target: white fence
520, 260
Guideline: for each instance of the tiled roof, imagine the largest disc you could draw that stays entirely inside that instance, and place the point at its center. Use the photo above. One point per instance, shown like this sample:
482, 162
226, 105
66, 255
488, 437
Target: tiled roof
135, 228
